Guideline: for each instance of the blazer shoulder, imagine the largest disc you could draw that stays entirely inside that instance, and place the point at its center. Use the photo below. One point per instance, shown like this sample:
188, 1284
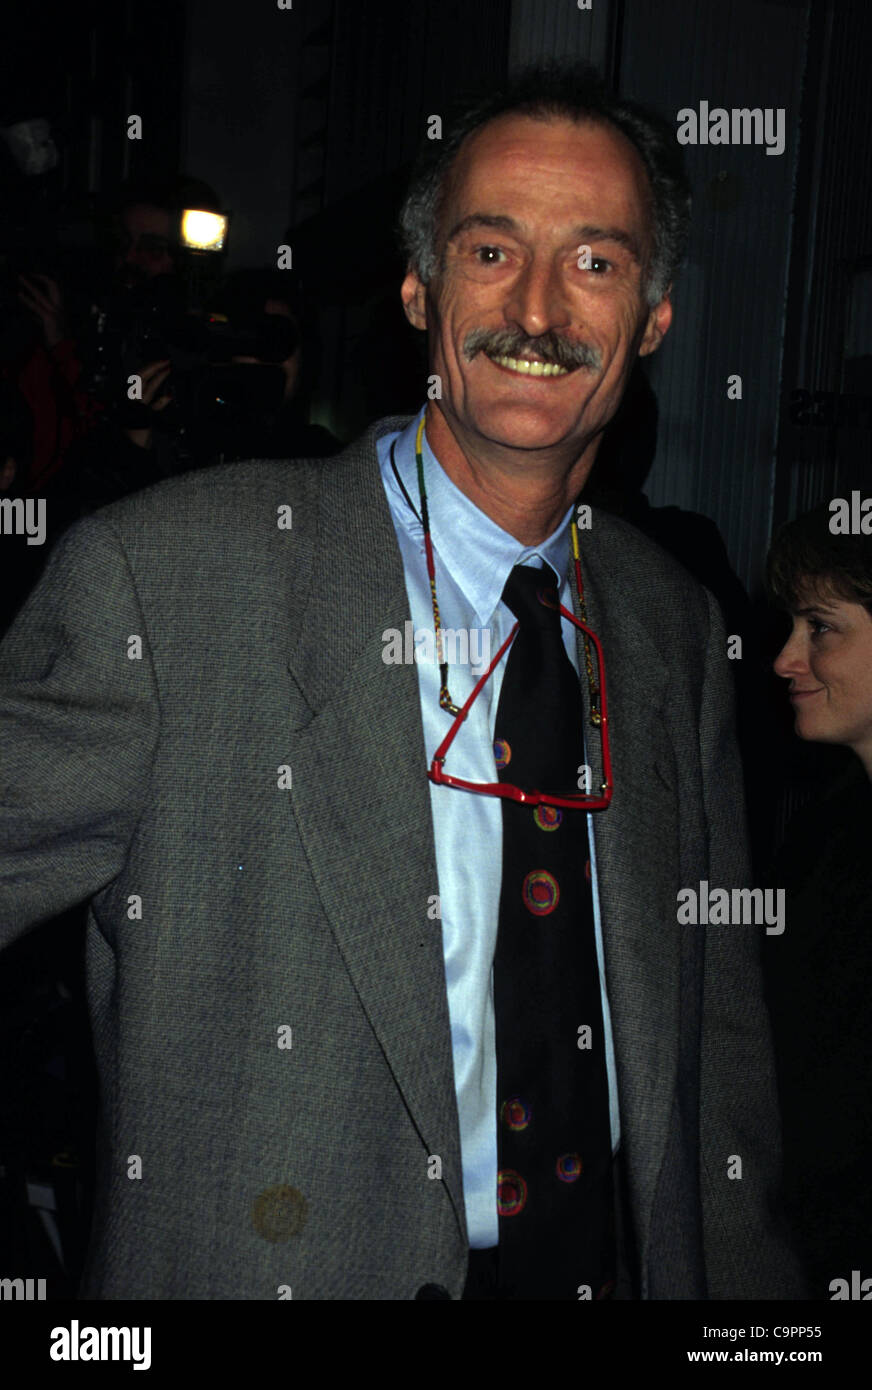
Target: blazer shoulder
648, 575
223, 494
238, 496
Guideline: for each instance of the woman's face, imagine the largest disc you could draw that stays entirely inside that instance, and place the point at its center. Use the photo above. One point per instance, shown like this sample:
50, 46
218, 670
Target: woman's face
828, 661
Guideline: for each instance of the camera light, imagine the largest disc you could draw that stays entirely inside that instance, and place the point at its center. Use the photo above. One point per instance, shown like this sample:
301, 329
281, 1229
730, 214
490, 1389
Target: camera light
203, 231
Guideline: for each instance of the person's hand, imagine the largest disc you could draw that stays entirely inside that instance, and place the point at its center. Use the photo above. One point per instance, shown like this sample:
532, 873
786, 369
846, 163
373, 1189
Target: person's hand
42, 296
153, 377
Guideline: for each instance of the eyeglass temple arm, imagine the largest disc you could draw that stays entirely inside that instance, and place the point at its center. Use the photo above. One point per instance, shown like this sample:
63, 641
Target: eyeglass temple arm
442, 751
603, 700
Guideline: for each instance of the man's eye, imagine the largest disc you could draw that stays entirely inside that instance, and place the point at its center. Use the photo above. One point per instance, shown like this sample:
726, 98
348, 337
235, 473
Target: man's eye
599, 265
818, 627
486, 255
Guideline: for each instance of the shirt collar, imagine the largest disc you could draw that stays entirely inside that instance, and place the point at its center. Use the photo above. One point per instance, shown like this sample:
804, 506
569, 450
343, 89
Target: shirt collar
478, 554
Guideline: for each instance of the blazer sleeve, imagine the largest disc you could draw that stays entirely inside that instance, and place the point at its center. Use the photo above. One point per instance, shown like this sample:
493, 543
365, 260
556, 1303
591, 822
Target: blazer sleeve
748, 1252
79, 723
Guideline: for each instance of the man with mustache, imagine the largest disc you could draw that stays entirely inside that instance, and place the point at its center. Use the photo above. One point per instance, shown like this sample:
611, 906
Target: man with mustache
390, 996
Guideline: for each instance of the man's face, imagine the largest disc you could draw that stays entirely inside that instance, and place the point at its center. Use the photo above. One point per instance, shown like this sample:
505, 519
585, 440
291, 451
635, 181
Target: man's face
828, 661
146, 248
514, 286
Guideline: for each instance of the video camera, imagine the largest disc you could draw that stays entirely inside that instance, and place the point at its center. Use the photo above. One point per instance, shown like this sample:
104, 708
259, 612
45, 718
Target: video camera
152, 323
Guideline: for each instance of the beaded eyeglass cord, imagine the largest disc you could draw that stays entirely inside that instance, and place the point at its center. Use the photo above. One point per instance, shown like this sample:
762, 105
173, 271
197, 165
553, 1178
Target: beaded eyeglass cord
598, 704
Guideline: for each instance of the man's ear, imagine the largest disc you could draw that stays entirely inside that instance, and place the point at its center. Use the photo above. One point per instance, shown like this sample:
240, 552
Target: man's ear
414, 297
657, 326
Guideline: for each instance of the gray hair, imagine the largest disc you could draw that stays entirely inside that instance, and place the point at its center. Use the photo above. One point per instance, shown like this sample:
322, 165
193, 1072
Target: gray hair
547, 92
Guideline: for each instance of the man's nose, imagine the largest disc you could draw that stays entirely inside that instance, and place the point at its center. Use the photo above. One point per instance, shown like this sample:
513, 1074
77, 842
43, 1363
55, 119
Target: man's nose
538, 300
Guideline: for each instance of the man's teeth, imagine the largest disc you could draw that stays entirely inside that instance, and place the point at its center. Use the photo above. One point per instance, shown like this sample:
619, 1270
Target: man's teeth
521, 364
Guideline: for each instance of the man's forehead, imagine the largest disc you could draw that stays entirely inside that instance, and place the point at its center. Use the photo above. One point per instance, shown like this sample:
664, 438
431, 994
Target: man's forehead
592, 147
573, 139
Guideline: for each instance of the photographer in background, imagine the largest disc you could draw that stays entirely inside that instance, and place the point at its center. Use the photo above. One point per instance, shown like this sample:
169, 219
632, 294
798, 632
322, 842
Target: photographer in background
147, 283
221, 364
62, 367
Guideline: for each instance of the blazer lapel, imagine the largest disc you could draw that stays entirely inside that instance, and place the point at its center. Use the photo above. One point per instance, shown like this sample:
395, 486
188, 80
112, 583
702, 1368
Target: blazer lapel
359, 787
636, 842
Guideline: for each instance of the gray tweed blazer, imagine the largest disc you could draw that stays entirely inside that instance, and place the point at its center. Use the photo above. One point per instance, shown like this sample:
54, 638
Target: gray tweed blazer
265, 985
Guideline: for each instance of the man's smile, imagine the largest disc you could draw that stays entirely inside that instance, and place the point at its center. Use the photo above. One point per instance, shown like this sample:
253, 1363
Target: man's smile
525, 366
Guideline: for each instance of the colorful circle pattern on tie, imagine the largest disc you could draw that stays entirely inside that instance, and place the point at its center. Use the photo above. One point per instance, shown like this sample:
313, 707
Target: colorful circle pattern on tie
502, 753
540, 892
511, 1193
547, 597
569, 1167
515, 1113
547, 817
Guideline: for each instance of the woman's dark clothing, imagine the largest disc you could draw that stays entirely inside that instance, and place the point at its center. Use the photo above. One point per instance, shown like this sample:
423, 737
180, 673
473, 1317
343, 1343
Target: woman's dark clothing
818, 977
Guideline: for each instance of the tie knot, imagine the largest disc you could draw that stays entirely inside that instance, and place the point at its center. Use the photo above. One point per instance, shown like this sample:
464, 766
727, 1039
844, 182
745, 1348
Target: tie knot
533, 597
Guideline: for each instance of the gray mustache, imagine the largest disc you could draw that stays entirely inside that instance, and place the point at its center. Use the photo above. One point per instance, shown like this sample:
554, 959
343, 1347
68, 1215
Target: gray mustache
549, 347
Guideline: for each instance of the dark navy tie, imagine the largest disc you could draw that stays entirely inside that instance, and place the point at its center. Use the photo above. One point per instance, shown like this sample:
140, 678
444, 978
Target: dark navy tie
554, 1199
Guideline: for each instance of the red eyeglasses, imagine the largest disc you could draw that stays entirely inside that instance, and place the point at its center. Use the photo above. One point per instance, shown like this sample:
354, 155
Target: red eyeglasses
599, 718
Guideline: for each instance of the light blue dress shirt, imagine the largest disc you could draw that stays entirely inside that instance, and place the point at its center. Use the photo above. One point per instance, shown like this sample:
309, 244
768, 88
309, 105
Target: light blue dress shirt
473, 559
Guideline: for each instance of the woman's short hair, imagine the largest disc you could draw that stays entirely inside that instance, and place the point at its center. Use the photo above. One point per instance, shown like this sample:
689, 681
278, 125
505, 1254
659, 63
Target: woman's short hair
805, 557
